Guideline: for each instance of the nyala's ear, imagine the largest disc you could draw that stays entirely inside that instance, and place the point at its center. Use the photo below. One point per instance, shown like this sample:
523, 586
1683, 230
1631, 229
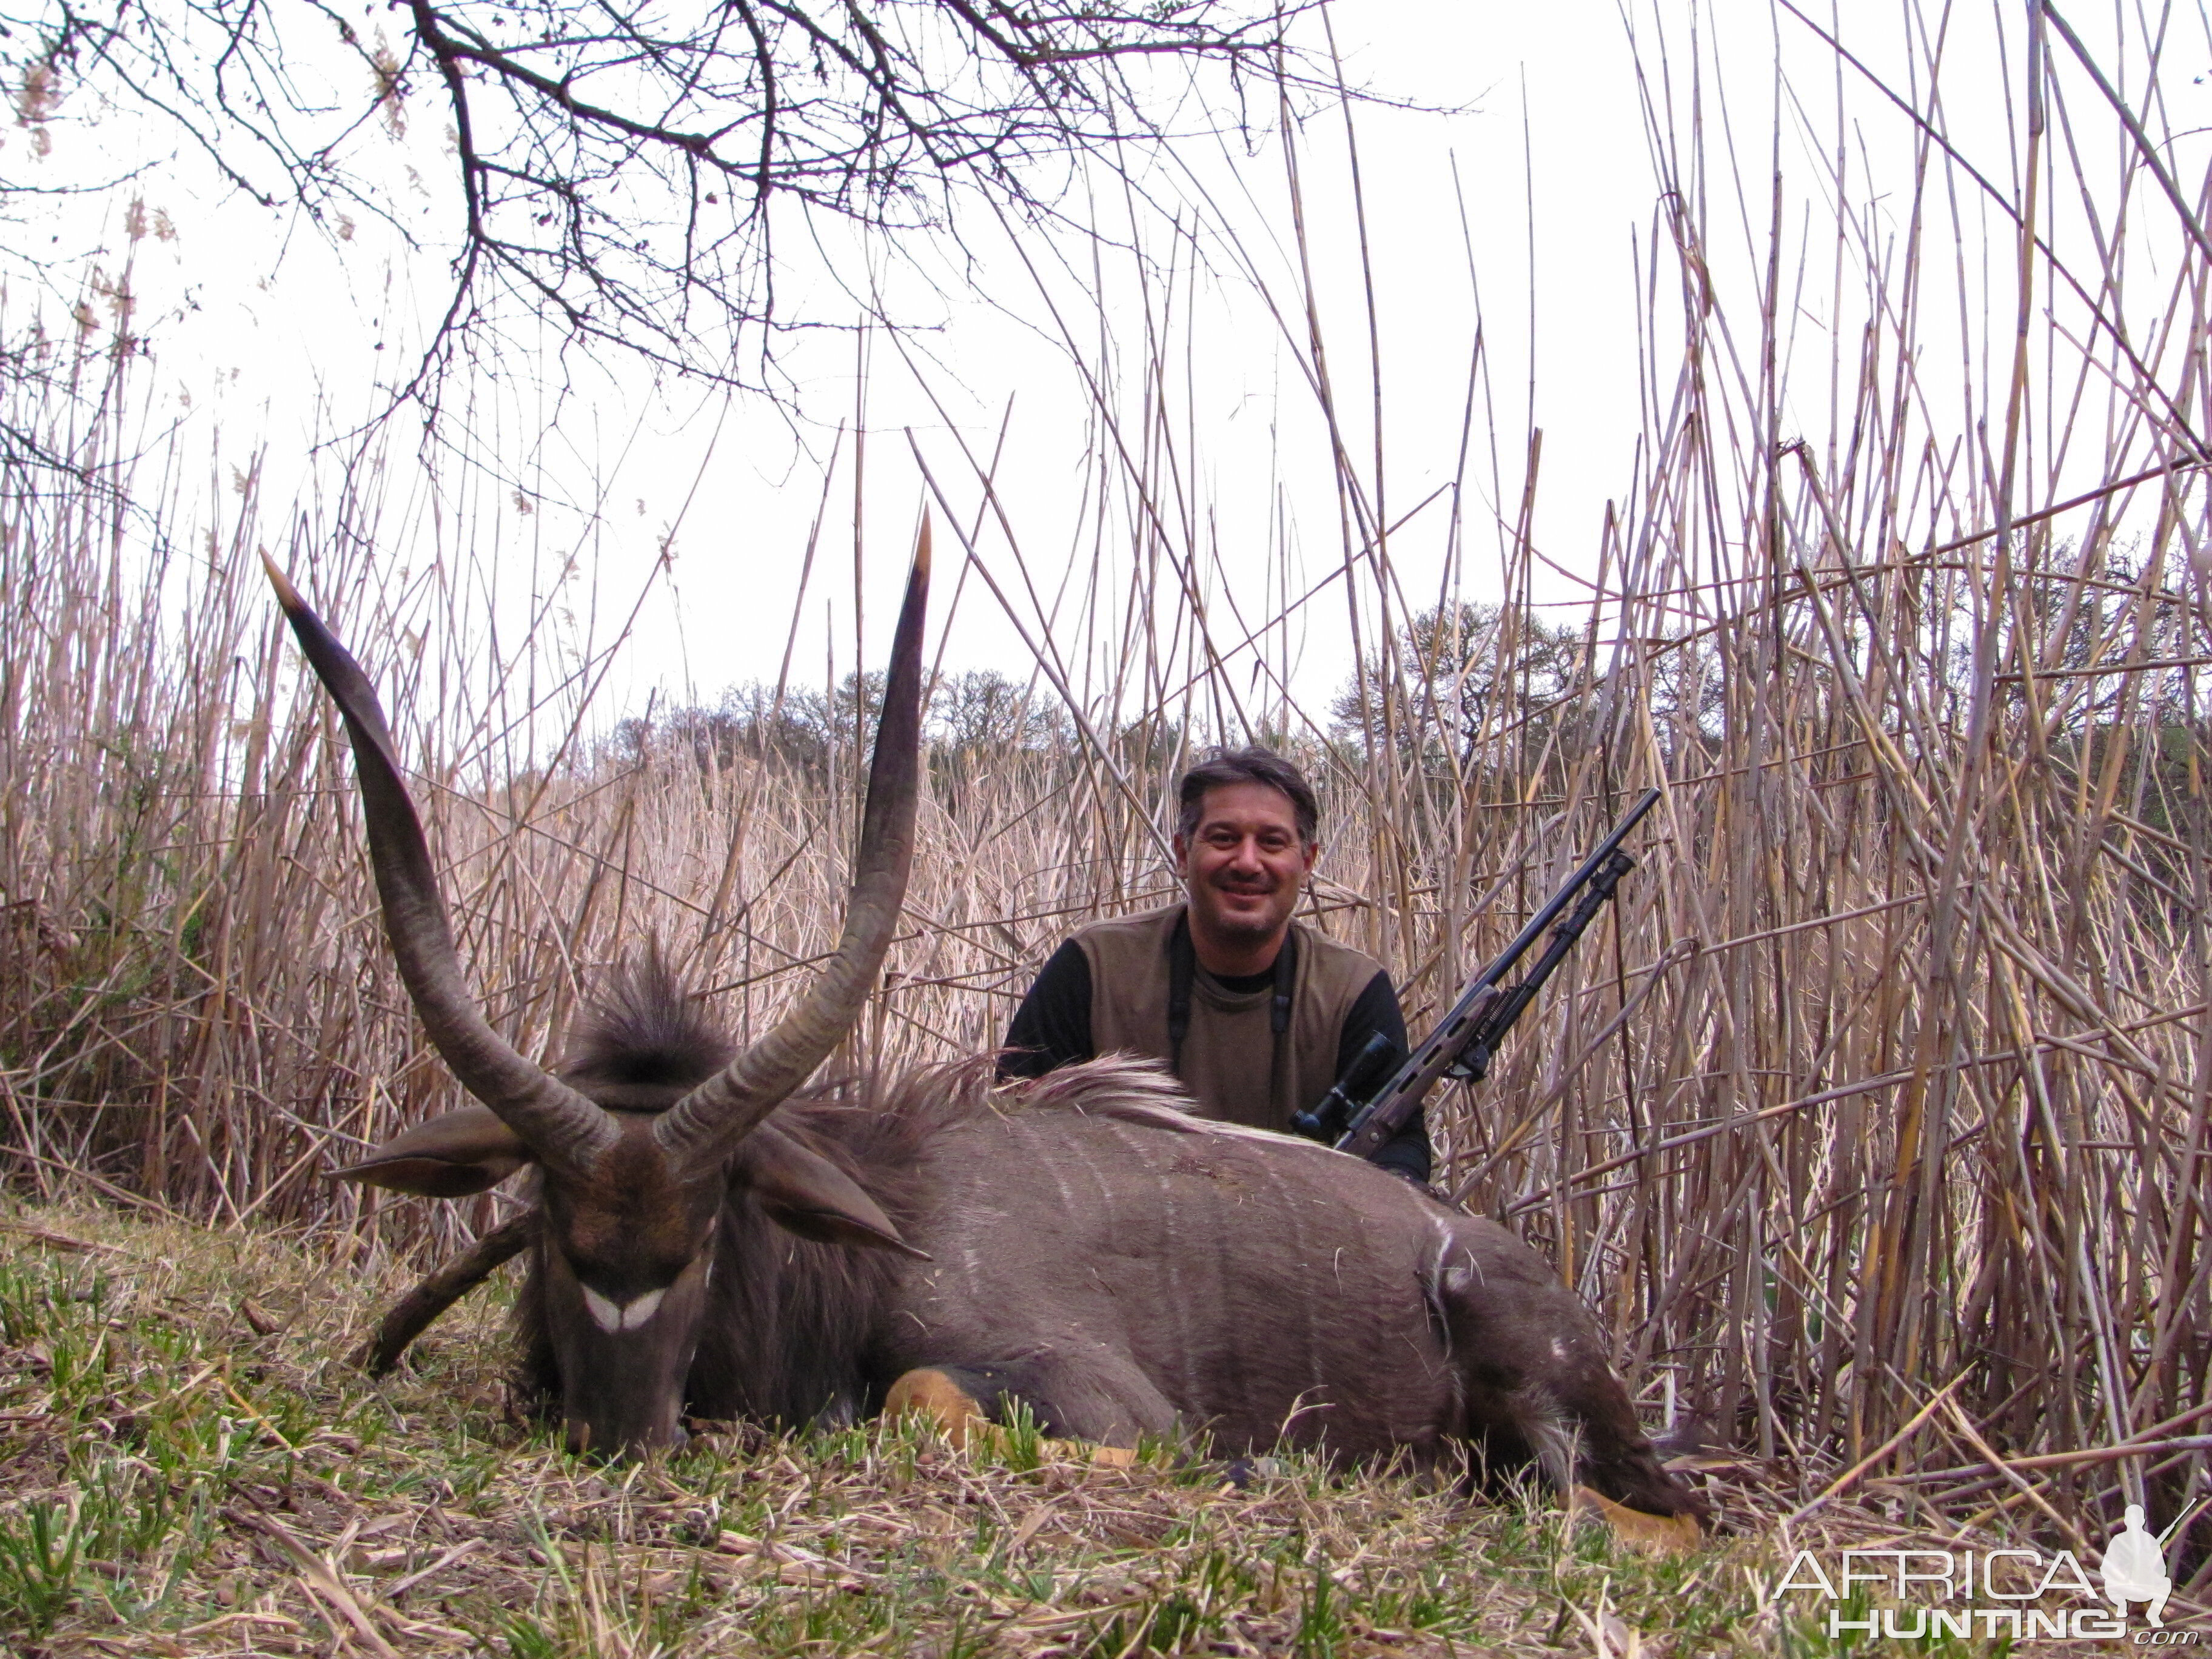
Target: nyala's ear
463, 1152
804, 1193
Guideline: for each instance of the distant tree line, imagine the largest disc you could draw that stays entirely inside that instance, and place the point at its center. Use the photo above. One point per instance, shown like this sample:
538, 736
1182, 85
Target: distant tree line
973, 716
1475, 694
1464, 687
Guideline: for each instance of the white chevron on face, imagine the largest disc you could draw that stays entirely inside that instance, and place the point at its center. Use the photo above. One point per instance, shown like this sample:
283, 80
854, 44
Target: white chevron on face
612, 1316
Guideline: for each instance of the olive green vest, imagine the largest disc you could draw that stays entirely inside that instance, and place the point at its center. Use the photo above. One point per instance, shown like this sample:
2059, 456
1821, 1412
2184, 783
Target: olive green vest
1230, 1060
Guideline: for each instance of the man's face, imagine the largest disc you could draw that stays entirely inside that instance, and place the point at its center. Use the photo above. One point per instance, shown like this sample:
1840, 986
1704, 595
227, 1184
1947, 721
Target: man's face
1243, 864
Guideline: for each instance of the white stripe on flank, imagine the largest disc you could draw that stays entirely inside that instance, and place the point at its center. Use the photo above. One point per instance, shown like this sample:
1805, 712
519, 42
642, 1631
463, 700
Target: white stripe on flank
1175, 1293
1285, 1208
613, 1316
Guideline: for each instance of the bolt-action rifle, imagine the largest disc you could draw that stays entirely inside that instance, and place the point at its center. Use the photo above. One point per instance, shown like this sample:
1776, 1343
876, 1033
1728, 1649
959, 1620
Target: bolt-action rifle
1370, 1102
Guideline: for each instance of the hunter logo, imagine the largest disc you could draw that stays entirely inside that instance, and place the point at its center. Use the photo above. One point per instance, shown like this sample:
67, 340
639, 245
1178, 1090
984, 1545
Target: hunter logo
2020, 1595
2134, 1569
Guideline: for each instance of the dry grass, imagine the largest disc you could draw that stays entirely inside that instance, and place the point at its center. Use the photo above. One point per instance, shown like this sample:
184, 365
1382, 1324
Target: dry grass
211, 1481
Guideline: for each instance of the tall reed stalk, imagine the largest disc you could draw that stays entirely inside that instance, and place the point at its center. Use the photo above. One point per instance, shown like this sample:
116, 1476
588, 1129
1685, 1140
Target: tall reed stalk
1886, 1078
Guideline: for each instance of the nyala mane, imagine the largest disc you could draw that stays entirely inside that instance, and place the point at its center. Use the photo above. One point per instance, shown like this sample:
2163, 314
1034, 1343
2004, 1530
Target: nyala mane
644, 1041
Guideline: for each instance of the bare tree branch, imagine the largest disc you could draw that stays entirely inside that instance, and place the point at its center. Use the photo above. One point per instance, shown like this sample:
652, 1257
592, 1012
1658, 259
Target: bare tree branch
618, 167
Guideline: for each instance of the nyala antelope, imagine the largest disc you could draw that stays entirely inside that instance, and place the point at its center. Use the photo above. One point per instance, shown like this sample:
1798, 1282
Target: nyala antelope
715, 1238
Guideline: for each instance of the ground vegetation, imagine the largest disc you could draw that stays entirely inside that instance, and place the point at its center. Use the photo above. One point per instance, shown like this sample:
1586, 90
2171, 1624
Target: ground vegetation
1873, 1119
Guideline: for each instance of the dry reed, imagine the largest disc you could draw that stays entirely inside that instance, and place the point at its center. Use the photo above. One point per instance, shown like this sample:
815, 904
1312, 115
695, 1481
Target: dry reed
1887, 1076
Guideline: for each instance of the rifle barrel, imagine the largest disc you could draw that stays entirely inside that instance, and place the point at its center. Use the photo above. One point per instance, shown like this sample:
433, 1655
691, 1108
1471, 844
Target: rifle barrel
1568, 891
1480, 1005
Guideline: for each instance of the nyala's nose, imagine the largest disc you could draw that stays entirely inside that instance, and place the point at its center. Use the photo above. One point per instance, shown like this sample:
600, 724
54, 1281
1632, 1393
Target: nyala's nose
579, 1441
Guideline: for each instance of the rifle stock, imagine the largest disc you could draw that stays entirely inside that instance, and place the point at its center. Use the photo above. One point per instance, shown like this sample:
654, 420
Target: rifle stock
1465, 1039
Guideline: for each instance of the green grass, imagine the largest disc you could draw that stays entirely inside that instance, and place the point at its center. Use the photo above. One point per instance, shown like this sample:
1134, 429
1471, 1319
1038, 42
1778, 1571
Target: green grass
174, 1406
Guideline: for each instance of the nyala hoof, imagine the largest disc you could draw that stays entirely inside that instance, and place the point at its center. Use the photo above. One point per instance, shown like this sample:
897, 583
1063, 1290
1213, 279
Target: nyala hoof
940, 1398
933, 1395
1647, 1534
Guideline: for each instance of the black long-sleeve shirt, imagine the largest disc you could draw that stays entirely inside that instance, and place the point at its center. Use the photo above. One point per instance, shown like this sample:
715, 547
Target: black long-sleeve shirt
1052, 1028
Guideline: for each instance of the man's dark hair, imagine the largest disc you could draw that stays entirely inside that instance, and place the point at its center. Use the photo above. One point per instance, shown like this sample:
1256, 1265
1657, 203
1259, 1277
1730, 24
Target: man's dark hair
1250, 765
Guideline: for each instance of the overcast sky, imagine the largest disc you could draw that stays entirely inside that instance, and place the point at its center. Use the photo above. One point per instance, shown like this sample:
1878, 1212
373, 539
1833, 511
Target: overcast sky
1521, 211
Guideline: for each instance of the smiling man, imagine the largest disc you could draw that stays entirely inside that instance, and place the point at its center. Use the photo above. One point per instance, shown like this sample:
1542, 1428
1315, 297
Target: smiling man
1255, 1013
